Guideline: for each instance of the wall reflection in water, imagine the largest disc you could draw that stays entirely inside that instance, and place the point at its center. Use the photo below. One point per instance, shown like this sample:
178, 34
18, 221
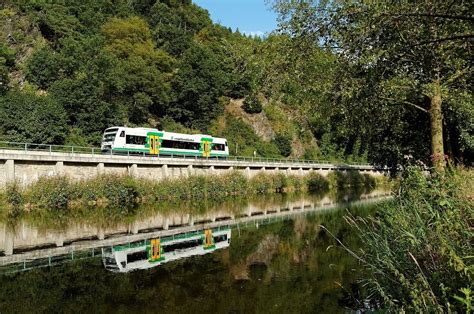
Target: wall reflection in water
268, 255
25, 245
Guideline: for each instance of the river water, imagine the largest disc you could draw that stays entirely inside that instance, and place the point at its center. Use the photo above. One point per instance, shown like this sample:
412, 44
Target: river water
269, 254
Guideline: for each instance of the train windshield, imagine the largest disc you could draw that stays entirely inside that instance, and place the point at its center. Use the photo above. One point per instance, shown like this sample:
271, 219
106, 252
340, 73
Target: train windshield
109, 137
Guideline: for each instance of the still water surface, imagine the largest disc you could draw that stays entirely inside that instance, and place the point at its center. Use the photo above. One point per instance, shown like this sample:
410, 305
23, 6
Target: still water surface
264, 255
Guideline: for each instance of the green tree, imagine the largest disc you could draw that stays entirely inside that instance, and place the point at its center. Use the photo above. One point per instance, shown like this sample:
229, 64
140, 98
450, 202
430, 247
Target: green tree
44, 68
252, 104
199, 84
399, 53
86, 105
147, 70
7, 61
28, 117
283, 142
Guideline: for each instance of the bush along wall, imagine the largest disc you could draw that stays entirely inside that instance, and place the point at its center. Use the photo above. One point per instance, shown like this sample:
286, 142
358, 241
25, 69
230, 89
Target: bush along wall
60, 194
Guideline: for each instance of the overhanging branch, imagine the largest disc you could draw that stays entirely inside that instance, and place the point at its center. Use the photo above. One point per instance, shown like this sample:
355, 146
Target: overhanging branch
439, 40
405, 103
442, 16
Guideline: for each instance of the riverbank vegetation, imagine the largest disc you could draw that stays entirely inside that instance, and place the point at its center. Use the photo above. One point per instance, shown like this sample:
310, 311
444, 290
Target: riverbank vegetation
400, 87
60, 195
419, 246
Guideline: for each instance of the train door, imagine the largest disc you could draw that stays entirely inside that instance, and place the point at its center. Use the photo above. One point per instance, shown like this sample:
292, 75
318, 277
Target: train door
154, 143
155, 250
206, 148
208, 239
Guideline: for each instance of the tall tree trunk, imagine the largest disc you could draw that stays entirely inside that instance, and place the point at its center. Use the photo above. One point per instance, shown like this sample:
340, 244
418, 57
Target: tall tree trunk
436, 122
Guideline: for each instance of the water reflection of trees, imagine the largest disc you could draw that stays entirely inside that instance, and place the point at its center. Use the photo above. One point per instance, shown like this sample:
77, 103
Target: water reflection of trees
291, 266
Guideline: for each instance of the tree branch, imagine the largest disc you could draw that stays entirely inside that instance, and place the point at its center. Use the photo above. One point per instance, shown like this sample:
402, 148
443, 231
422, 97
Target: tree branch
441, 16
406, 103
457, 37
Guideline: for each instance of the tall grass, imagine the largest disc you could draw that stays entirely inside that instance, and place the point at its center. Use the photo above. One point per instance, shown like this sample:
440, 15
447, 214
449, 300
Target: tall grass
419, 248
59, 195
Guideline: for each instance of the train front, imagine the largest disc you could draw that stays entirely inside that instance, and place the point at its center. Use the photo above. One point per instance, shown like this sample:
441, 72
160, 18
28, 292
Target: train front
108, 139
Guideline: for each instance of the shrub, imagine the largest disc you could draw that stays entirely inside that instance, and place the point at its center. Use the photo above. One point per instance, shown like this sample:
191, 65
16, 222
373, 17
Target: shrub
252, 104
235, 182
283, 142
14, 196
51, 193
369, 181
337, 179
197, 187
261, 183
316, 182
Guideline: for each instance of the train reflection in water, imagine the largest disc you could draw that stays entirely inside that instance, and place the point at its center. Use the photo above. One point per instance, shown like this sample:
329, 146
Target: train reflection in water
150, 253
152, 240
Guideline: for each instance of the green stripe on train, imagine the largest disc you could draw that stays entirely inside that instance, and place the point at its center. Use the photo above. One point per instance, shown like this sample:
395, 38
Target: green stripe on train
141, 150
147, 243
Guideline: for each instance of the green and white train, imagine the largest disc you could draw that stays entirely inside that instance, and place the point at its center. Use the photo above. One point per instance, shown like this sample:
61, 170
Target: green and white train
150, 253
154, 142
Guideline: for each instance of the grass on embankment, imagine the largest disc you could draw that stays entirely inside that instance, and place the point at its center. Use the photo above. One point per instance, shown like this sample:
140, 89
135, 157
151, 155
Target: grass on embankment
60, 194
419, 247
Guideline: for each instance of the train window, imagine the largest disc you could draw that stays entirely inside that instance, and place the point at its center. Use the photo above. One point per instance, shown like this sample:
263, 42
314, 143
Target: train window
135, 140
137, 256
182, 245
220, 238
109, 137
122, 134
180, 145
220, 147
226, 143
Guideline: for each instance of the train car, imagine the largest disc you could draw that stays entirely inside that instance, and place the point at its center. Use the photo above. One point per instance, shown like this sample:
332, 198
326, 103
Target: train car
154, 252
125, 140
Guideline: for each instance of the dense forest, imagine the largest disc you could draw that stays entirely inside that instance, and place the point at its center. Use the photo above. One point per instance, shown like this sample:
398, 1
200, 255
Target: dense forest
313, 88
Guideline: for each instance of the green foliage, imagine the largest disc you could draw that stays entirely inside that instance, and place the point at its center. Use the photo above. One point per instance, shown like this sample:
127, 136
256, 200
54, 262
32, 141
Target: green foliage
262, 183
44, 67
7, 61
283, 142
13, 201
252, 104
130, 62
352, 178
76, 138
167, 123
147, 88
14, 195
389, 66
419, 247
120, 195
28, 117
317, 182
51, 194
200, 82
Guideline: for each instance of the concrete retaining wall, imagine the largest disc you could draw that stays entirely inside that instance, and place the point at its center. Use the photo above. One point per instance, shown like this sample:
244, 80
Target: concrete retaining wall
28, 167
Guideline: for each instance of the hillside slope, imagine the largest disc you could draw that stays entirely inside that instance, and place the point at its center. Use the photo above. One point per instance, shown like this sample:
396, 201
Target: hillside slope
68, 71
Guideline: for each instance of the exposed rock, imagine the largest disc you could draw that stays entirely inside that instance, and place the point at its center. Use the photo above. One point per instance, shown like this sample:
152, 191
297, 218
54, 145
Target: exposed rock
258, 121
